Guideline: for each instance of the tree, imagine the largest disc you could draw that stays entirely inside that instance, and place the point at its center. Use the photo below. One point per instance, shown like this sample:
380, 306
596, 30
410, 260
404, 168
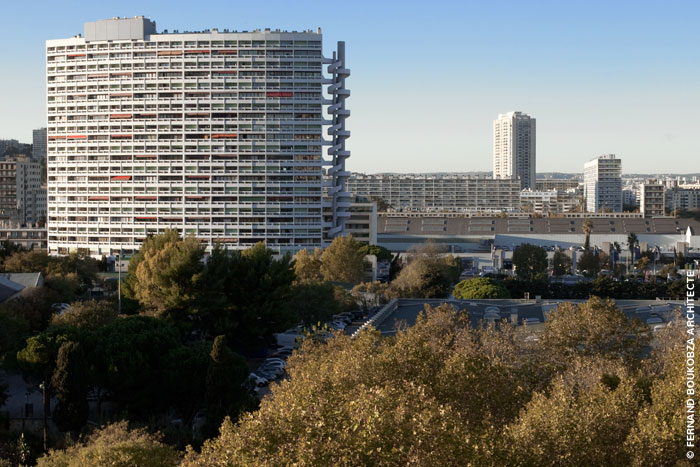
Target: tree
87, 315
588, 264
592, 328
583, 419
311, 303
380, 252
530, 262
307, 266
166, 272
480, 288
226, 395
114, 445
587, 228
631, 245
371, 293
343, 261
430, 273
643, 263
70, 381
129, 357
561, 263
38, 358
426, 397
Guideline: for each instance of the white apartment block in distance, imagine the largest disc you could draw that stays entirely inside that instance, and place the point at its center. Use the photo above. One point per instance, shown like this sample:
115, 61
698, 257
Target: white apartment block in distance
514, 148
438, 192
216, 134
602, 184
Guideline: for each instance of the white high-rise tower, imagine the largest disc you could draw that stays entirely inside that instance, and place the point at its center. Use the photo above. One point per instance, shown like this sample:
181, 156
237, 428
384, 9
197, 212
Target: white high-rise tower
514, 140
217, 134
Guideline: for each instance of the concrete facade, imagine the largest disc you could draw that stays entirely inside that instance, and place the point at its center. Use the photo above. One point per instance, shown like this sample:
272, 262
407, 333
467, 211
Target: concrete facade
514, 148
602, 184
219, 135
425, 193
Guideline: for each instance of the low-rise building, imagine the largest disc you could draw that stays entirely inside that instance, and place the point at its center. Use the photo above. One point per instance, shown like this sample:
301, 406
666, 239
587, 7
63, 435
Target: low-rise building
32, 237
362, 223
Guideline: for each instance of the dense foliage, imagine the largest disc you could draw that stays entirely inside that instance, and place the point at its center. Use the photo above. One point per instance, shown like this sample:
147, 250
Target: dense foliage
444, 393
480, 287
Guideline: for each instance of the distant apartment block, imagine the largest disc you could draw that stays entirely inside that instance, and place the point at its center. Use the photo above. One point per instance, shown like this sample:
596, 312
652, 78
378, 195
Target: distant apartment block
652, 202
629, 197
549, 202
602, 184
683, 198
514, 148
434, 193
559, 184
39, 144
216, 134
22, 197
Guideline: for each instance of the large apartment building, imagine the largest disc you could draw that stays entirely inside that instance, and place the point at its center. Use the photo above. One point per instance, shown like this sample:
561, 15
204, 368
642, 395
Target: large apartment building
514, 148
217, 134
433, 193
602, 184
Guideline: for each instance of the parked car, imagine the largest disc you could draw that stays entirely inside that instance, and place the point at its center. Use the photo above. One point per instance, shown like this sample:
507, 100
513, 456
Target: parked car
258, 380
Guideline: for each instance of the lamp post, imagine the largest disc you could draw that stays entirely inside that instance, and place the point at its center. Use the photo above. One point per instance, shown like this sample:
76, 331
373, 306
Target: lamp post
119, 283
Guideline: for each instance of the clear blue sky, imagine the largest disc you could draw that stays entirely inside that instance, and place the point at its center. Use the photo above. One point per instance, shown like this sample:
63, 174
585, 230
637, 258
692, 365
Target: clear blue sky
428, 78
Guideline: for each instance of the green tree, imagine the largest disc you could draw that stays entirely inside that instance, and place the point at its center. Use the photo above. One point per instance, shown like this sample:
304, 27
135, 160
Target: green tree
307, 266
632, 241
246, 296
530, 262
226, 395
587, 228
343, 261
87, 315
480, 288
165, 274
588, 264
130, 361
561, 263
115, 445
380, 252
311, 303
70, 381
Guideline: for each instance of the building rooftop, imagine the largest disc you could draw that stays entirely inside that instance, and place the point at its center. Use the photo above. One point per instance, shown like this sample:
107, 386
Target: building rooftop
397, 223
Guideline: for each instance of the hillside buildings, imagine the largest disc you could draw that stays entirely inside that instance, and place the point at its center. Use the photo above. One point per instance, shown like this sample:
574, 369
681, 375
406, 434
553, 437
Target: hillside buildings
602, 184
217, 134
514, 139
22, 197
